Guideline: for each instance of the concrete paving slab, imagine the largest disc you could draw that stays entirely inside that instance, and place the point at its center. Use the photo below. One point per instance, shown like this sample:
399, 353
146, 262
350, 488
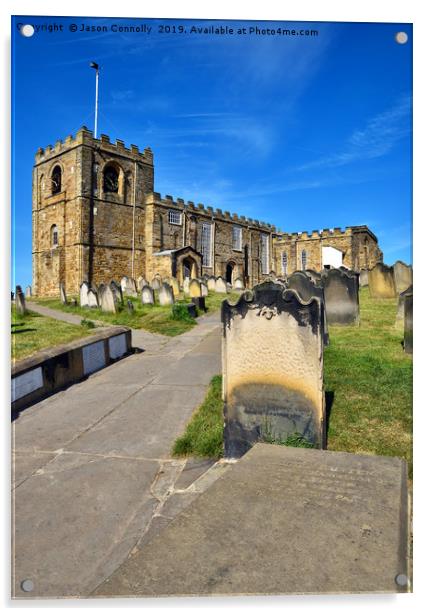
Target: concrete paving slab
25, 463
193, 369
73, 517
146, 425
194, 468
281, 521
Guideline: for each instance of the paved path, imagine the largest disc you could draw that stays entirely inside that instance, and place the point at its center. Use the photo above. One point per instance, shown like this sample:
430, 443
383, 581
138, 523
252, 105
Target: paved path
92, 463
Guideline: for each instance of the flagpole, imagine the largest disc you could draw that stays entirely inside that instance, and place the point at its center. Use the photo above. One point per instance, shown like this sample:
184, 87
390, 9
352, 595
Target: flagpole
96, 67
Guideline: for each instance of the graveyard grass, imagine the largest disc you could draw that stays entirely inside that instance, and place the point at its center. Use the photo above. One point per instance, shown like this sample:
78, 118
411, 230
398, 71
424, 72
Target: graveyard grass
366, 374
33, 332
156, 319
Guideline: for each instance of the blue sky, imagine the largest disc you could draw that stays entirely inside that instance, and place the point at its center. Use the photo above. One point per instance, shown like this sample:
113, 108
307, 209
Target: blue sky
303, 132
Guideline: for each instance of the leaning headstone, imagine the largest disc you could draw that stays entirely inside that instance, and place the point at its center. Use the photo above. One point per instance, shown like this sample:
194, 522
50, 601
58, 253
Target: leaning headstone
147, 295
363, 278
128, 286
116, 292
156, 283
272, 368
20, 301
93, 301
211, 282
408, 323
403, 276
63, 296
238, 284
28, 291
303, 284
381, 282
130, 307
175, 286
220, 285
195, 288
401, 303
341, 292
83, 294
107, 299
166, 295
204, 289
186, 285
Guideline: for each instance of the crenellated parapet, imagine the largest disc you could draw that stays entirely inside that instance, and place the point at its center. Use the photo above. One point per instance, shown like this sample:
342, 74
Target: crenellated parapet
85, 137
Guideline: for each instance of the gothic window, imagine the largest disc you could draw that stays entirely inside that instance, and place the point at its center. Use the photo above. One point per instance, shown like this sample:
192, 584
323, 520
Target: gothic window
54, 236
304, 259
264, 253
110, 179
236, 238
174, 217
206, 244
56, 180
284, 263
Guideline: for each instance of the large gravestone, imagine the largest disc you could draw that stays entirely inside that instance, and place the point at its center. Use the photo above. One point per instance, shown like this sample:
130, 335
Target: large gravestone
304, 285
93, 300
130, 307
63, 296
195, 289
211, 282
401, 303
147, 295
316, 277
28, 291
140, 283
20, 301
204, 289
220, 285
186, 285
408, 323
116, 292
403, 276
238, 284
381, 282
83, 295
341, 291
166, 295
107, 299
175, 286
363, 278
272, 358
156, 283
128, 286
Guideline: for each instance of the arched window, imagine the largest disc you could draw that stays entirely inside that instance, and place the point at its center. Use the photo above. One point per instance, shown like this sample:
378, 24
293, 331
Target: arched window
56, 180
284, 263
304, 259
110, 179
54, 236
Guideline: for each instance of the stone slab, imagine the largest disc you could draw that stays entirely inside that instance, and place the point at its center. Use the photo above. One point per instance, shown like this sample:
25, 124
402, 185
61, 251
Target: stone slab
282, 521
194, 468
25, 463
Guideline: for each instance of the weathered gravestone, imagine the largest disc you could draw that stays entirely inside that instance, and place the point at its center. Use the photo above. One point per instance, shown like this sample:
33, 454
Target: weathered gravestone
156, 283
341, 292
130, 307
93, 300
141, 282
186, 285
363, 278
128, 286
192, 310
199, 302
106, 298
28, 291
211, 282
408, 323
147, 295
220, 285
116, 292
166, 295
272, 358
63, 296
175, 285
20, 301
83, 294
381, 282
403, 276
204, 289
238, 284
316, 277
195, 288
306, 288
401, 303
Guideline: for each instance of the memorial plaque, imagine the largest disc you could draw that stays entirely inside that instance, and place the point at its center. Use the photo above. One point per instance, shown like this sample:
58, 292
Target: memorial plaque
93, 357
26, 383
117, 346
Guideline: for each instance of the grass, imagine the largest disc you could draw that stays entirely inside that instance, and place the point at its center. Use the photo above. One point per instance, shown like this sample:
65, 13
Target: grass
366, 374
156, 319
33, 332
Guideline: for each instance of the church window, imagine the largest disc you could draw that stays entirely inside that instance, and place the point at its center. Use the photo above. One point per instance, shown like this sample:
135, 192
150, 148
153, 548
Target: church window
236, 238
54, 236
56, 180
264, 255
110, 179
304, 259
284, 263
206, 244
174, 217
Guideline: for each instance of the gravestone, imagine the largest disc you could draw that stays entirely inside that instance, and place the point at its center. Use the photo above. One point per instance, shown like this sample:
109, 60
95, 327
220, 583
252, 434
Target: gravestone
28, 291
363, 278
128, 286
315, 277
130, 307
116, 292
403, 276
107, 299
220, 285
147, 295
186, 285
199, 302
83, 294
341, 292
272, 358
20, 301
303, 284
195, 288
211, 282
156, 283
93, 300
408, 323
63, 296
175, 286
381, 282
140, 283
166, 295
401, 303
204, 289
238, 284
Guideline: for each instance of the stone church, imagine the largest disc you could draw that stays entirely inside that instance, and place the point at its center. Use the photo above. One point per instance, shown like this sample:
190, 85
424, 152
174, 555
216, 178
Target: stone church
96, 217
